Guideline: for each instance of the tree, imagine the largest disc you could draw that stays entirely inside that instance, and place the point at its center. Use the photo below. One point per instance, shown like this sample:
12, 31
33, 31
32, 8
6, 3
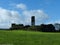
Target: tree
47, 28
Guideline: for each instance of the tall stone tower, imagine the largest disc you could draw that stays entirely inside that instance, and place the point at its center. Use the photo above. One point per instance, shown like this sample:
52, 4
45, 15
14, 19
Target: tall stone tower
33, 21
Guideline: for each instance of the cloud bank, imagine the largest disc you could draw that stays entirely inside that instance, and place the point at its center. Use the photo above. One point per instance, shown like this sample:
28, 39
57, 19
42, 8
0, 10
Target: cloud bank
7, 17
40, 15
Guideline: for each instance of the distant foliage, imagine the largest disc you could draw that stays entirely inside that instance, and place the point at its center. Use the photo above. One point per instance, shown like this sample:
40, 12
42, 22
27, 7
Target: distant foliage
42, 27
47, 28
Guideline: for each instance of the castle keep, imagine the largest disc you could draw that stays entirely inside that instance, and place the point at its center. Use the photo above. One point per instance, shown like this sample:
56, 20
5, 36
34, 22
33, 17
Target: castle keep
33, 21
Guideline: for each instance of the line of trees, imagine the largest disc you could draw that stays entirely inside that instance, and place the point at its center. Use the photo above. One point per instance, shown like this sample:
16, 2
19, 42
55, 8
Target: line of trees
42, 27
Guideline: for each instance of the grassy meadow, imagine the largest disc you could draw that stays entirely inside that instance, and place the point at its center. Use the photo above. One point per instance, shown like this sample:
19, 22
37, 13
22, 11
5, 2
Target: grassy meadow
18, 37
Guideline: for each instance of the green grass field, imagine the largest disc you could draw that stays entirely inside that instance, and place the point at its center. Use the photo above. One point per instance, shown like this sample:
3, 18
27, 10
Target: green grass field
29, 38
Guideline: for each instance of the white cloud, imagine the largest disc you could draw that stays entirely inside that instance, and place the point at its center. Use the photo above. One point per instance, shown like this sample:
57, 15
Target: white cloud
7, 17
39, 15
21, 6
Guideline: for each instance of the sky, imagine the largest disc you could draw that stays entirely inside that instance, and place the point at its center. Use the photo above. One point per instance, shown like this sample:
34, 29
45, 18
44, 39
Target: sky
20, 12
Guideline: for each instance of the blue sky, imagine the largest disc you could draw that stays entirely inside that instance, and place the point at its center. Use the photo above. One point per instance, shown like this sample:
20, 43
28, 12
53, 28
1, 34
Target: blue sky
48, 11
